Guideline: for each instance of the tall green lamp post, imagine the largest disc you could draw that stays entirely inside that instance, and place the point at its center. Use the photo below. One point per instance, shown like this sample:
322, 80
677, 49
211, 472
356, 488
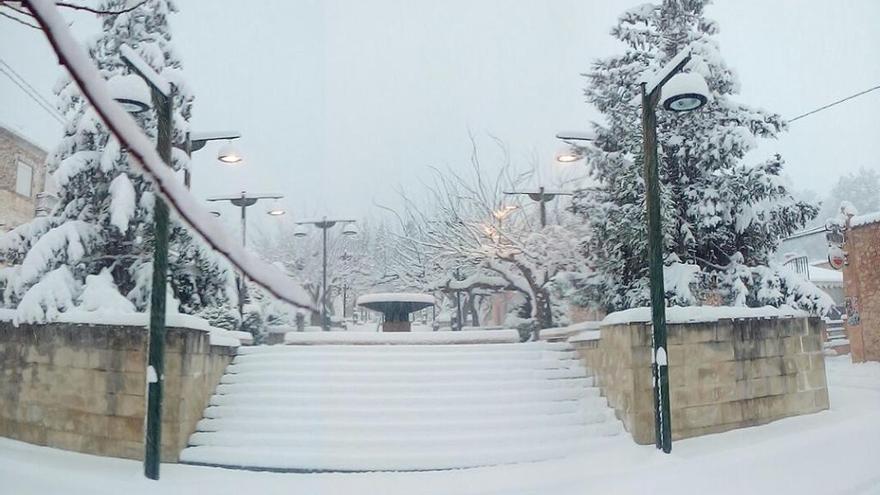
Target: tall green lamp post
137, 92
678, 92
160, 91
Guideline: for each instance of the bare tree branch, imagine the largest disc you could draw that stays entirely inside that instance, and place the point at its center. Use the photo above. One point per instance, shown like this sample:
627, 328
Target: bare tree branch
93, 10
20, 21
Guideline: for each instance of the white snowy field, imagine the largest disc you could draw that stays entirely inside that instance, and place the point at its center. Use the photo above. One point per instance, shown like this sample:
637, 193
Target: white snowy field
833, 452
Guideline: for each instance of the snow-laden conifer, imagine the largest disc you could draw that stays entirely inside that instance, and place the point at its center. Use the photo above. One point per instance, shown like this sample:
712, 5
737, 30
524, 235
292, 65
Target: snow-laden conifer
102, 225
721, 211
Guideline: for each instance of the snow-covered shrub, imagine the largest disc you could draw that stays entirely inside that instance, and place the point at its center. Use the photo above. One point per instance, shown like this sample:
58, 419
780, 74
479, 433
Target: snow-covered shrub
225, 317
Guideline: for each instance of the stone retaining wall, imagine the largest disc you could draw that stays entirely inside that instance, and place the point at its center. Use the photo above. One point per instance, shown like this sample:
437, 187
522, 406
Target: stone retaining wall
723, 375
82, 387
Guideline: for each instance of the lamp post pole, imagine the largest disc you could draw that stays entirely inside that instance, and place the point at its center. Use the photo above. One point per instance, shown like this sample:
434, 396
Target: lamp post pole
153, 444
161, 96
325, 323
659, 367
325, 224
651, 95
688, 93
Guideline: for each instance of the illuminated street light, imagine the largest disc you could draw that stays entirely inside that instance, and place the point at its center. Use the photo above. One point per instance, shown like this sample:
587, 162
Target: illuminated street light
229, 154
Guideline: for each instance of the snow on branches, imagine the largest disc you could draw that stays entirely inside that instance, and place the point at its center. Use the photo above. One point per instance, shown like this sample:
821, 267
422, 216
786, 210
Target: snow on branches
466, 234
102, 226
721, 215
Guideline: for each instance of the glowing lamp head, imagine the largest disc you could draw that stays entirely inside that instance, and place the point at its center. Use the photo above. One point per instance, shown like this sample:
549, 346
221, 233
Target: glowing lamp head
229, 154
569, 155
276, 211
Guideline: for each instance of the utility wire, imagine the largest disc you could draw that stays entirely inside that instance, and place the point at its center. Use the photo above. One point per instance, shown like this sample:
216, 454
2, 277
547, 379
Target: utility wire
33, 89
23, 85
835, 103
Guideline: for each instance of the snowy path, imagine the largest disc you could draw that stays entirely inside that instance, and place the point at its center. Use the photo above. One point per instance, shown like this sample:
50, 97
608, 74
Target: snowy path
834, 452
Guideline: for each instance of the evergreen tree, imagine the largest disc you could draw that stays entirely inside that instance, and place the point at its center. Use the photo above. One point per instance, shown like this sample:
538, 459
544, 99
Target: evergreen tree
103, 221
719, 214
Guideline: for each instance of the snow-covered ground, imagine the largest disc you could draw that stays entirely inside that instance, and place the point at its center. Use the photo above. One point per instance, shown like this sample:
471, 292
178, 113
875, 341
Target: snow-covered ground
833, 452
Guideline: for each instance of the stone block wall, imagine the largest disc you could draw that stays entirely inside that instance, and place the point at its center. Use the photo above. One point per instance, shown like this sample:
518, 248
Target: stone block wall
83, 387
861, 282
723, 375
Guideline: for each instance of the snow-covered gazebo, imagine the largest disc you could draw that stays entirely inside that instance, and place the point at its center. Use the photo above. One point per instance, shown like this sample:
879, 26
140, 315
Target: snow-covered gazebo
396, 308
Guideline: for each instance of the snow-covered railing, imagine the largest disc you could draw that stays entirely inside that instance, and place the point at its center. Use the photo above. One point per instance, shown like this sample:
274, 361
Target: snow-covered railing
95, 89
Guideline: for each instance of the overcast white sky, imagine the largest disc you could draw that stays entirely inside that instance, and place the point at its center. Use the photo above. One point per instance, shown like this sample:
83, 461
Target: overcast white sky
339, 101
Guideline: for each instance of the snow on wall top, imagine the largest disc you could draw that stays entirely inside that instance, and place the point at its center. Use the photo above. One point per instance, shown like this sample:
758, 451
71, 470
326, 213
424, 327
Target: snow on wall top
177, 320
694, 314
585, 336
865, 219
395, 297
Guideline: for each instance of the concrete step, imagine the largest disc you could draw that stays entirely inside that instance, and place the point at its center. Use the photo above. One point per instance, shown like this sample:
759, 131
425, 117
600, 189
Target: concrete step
234, 408
374, 375
285, 459
413, 423
268, 397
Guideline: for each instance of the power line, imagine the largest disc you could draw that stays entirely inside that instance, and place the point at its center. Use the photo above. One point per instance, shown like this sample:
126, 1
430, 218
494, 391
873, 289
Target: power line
31, 91
26, 83
36, 99
835, 103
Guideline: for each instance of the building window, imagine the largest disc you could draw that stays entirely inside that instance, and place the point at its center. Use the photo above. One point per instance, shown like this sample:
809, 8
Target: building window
24, 179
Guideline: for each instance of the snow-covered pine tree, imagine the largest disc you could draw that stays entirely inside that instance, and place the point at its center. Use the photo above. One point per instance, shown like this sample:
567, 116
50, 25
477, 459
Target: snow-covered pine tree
103, 221
719, 213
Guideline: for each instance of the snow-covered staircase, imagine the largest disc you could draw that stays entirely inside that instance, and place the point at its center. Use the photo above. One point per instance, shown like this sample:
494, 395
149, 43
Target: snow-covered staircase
399, 407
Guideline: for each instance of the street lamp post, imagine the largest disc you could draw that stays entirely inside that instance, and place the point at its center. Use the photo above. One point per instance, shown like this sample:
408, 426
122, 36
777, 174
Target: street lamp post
325, 224
686, 92
678, 92
160, 92
130, 92
541, 196
244, 201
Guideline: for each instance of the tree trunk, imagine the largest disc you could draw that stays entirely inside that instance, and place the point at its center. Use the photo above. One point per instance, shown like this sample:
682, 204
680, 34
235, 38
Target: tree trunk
472, 308
543, 311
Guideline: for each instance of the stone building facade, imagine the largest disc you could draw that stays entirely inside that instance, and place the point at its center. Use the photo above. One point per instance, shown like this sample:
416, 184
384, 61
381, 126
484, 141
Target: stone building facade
861, 280
22, 178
